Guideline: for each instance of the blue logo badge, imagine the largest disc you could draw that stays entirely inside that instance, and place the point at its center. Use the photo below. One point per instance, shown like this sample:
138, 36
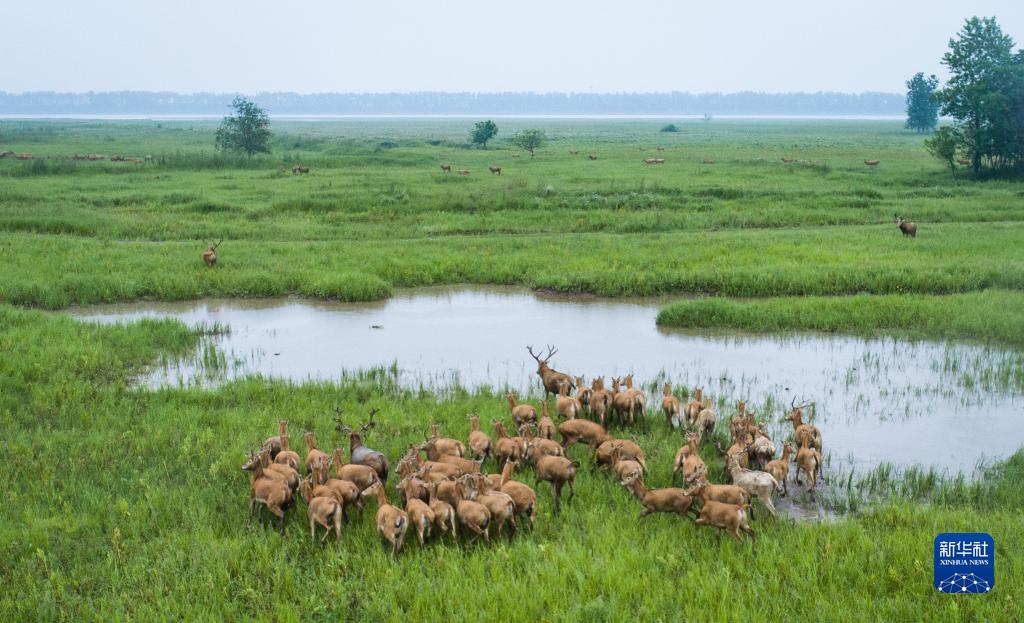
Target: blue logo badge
964, 562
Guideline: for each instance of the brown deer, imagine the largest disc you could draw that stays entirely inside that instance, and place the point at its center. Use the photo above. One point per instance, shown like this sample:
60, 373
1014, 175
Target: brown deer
210, 254
566, 406
648, 160
300, 169
494, 170
272, 493
600, 402
549, 377
447, 168
872, 163
479, 441
583, 394
592, 156
909, 228
574, 152
546, 427
463, 172
521, 413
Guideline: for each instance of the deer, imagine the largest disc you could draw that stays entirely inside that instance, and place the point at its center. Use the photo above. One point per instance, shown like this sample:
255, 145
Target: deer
574, 152
705, 422
583, 394
272, 493
210, 254
314, 456
546, 427
627, 450
324, 510
392, 522
549, 377
447, 168
362, 476
757, 483
800, 429
688, 459
473, 515
592, 156
421, 516
808, 459
346, 491
443, 445
505, 447
727, 517
463, 172
300, 169
909, 228
273, 444
762, 448
648, 160
667, 500
558, 471
444, 513
624, 468
279, 471
566, 406
287, 456
623, 403
479, 441
524, 498
872, 163
495, 170
671, 406
590, 433
693, 408
536, 447
498, 503
638, 396
521, 413
600, 401
779, 468
362, 455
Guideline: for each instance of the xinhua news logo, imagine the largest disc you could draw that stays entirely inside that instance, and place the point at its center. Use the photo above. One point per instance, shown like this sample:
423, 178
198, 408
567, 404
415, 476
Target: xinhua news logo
964, 563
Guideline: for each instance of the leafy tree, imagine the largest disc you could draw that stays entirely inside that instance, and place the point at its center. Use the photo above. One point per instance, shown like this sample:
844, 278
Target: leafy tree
943, 145
530, 140
247, 130
984, 93
482, 132
922, 109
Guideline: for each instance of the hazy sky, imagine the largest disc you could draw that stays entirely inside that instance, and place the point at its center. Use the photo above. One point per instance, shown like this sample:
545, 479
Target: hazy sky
464, 45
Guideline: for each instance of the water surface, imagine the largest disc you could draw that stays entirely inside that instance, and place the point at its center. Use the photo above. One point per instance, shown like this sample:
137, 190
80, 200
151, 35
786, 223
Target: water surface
943, 404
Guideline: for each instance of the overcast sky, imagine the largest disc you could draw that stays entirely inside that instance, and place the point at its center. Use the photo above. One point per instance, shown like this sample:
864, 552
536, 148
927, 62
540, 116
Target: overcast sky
464, 45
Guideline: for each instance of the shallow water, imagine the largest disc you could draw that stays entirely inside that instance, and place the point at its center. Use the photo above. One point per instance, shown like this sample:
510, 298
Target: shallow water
943, 404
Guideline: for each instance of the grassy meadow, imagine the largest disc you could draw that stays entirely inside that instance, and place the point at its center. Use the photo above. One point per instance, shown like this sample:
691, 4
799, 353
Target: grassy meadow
129, 503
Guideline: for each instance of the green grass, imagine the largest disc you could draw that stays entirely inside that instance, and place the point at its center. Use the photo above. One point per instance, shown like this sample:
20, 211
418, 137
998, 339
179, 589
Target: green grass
996, 315
126, 502
131, 504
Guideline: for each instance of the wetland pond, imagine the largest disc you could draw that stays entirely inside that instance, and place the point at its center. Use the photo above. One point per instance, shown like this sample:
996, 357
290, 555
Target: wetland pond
947, 405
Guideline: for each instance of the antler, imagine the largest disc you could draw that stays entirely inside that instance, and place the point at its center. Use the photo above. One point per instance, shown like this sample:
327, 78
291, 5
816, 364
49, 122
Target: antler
218, 243
370, 423
530, 350
551, 352
338, 424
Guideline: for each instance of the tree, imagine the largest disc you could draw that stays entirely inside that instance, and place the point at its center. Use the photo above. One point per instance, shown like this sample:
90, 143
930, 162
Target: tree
985, 87
482, 132
247, 130
943, 145
922, 108
530, 140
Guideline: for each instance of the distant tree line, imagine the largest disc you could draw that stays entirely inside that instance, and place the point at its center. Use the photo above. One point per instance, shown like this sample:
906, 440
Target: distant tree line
672, 103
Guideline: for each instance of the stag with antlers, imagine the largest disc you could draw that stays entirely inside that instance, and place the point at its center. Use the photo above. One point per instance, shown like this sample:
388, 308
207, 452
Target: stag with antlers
550, 378
360, 454
210, 254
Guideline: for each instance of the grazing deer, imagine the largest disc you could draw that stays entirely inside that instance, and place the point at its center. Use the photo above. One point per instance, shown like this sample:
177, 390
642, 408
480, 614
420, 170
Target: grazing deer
210, 254
447, 168
495, 170
300, 169
463, 172
909, 228
592, 156
550, 378
872, 163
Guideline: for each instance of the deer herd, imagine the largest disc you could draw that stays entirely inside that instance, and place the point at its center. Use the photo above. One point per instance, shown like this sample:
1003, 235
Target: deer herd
444, 491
